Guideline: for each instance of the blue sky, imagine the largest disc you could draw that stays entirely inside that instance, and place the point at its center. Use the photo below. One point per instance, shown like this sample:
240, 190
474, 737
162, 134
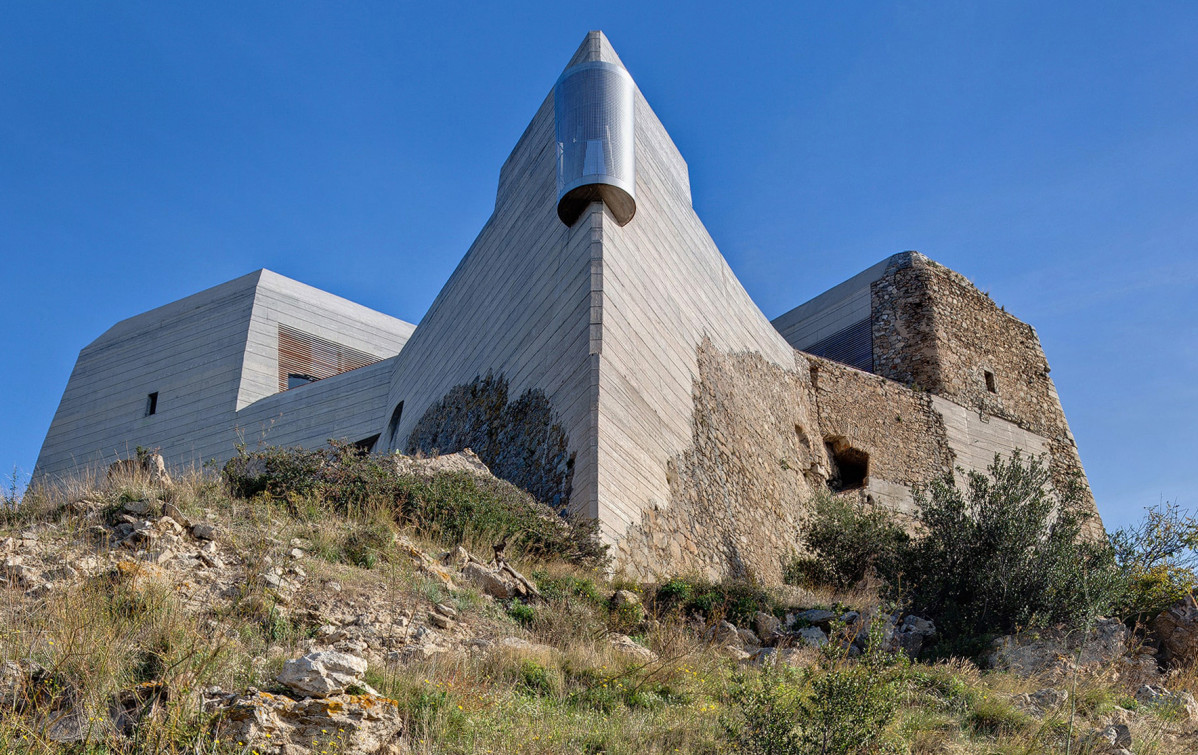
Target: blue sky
1048, 151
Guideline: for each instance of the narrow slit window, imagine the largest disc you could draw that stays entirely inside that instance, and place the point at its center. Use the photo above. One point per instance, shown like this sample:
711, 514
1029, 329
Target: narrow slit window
152, 403
991, 383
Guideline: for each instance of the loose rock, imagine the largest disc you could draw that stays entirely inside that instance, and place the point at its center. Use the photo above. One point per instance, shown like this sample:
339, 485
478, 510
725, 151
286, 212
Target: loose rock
323, 673
278, 725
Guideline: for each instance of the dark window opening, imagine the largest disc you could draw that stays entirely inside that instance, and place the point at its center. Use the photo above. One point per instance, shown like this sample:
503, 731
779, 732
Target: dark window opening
295, 380
850, 466
152, 403
393, 426
366, 445
991, 383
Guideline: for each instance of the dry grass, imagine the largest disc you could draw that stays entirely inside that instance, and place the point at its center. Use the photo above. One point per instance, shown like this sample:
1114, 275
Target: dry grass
574, 693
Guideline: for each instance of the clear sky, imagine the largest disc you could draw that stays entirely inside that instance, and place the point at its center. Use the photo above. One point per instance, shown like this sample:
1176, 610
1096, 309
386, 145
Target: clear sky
1048, 151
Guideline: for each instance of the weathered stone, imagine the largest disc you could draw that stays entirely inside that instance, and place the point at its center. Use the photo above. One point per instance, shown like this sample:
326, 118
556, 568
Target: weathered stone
1177, 629
1118, 735
748, 638
817, 617
813, 636
1159, 697
277, 725
140, 508
463, 461
769, 627
323, 673
723, 633
1057, 650
489, 581
631, 648
203, 531
426, 565
1042, 701
914, 635
147, 466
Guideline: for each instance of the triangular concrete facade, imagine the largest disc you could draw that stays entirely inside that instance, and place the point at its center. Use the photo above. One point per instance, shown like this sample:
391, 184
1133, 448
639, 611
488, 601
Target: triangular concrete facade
605, 319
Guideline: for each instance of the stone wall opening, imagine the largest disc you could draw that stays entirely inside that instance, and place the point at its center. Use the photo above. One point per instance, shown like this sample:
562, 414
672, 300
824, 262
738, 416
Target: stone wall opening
991, 383
850, 466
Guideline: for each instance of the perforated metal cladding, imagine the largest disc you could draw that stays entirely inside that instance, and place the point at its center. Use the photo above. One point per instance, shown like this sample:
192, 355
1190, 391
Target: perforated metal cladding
853, 346
307, 356
595, 129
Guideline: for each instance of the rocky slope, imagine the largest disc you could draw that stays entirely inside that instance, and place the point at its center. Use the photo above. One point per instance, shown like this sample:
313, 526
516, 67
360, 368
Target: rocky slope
145, 615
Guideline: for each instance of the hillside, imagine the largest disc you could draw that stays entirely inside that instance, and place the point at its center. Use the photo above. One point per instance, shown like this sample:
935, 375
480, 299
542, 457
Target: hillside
327, 602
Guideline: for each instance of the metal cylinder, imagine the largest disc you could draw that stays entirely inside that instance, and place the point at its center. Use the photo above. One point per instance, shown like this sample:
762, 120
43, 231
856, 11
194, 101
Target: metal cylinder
593, 107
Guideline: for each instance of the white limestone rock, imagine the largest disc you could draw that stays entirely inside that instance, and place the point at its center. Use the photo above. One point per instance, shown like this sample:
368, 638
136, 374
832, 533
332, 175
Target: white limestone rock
277, 725
323, 673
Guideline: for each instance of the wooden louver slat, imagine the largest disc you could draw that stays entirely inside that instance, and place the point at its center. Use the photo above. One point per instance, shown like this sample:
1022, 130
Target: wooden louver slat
302, 353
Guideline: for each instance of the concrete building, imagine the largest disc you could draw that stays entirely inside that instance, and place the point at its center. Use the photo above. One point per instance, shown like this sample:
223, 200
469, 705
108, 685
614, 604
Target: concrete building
594, 347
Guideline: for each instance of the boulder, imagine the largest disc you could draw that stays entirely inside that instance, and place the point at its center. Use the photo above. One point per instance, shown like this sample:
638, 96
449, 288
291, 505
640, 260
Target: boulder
749, 638
813, 636
913, 635
723, 633
816, 617
1057, 651
769, 627
277, 725
1156, 696
490, 581
627, 646
203, 531
1177, 630
323, 673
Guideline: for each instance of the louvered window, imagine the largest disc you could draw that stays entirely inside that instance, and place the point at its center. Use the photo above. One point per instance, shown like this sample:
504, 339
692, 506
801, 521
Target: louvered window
305, 358
853, 346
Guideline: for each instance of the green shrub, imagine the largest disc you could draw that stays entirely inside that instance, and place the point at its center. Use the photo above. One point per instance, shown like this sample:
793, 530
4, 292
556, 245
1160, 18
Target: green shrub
535, 679
993, 716
1003, 553
849, 710
367, 543
1157, 558
522, 613
764, 711
848, 540
450, 507
735, 600
568, 586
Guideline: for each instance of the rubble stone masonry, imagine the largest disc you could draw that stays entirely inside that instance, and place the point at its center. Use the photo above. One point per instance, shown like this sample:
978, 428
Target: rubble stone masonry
935, 331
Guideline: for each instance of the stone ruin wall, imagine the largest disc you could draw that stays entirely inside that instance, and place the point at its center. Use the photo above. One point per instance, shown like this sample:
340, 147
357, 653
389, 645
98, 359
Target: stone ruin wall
899, 428
739, 495
935, 331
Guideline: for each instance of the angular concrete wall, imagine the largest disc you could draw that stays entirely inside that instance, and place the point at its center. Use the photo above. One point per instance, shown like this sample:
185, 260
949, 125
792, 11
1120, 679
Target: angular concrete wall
521, 305
281, 300
344, 407
666, 288
206, 356
190, 352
